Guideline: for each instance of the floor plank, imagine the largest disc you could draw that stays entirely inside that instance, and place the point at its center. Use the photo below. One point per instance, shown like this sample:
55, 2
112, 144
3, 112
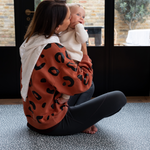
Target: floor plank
130, 99
10, 101
140, 99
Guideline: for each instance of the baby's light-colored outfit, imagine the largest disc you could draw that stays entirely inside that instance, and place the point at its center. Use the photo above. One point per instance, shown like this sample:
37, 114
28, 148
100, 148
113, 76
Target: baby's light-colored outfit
72, 40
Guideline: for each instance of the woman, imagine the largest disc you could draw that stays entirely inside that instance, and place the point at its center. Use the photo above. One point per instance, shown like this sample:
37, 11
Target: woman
47, 72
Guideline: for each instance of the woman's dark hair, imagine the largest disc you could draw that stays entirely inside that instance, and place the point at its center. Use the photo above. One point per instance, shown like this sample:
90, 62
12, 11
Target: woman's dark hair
47, 17
61, 1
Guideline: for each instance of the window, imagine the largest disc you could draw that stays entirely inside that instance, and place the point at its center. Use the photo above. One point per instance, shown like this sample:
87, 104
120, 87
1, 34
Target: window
132, 23
7, 25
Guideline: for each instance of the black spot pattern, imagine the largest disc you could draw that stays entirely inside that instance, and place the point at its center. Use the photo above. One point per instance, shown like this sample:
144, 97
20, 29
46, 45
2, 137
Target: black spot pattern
52, 114
56, 93
39, 67
62, 107
48, 118
28, 116
30, 109
69, 64
42, 56
56, 101
47, 46
38, 118
43, 105
37, 96
69, 79
64, 84
52, 106
33, 105
53, 71
60, 46
61, 57
50, 91
30, 83
85, 78
67, 55
43, 80
80, 77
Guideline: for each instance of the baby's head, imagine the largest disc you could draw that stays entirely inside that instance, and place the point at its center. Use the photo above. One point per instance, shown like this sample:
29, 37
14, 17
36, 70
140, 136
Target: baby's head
77, 14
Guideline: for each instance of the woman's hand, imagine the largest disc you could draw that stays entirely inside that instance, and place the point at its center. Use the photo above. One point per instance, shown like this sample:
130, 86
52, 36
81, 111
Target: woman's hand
62, 100
84, 49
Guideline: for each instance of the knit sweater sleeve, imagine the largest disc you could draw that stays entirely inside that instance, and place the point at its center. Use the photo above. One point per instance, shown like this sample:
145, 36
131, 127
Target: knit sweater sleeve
81, 34
64, 74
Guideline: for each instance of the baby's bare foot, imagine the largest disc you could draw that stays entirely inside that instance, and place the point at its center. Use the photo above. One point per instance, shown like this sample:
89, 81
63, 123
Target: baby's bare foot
90, 130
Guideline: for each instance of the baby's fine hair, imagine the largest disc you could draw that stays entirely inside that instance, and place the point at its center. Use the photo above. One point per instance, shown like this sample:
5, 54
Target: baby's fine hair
70, 5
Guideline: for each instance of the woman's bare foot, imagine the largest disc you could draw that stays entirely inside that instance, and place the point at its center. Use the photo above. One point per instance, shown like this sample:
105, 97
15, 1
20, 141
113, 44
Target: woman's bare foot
90, 130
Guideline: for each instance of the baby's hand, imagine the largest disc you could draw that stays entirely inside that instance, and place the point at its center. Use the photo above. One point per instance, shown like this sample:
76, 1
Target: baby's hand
73, 24
62, 100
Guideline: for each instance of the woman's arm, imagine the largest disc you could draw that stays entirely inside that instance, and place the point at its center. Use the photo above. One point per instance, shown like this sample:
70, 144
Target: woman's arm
84, 49
68, 77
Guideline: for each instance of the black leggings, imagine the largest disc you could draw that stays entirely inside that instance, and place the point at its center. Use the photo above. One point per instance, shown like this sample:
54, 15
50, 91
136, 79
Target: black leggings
84, 112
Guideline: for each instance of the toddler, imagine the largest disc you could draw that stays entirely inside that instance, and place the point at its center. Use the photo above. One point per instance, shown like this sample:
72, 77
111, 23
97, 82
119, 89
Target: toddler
74, 36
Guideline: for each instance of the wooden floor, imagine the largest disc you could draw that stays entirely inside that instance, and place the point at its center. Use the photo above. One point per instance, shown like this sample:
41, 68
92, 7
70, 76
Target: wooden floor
130, 99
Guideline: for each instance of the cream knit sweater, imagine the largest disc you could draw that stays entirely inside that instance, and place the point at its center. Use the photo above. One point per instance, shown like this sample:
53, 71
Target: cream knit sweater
72, 39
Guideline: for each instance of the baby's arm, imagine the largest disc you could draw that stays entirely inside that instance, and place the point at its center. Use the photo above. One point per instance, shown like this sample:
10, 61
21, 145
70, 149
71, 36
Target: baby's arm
81, 33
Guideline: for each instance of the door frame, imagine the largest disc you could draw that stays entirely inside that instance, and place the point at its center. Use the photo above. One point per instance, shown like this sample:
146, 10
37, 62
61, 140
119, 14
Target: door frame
105, 60
10, 60
133, 63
